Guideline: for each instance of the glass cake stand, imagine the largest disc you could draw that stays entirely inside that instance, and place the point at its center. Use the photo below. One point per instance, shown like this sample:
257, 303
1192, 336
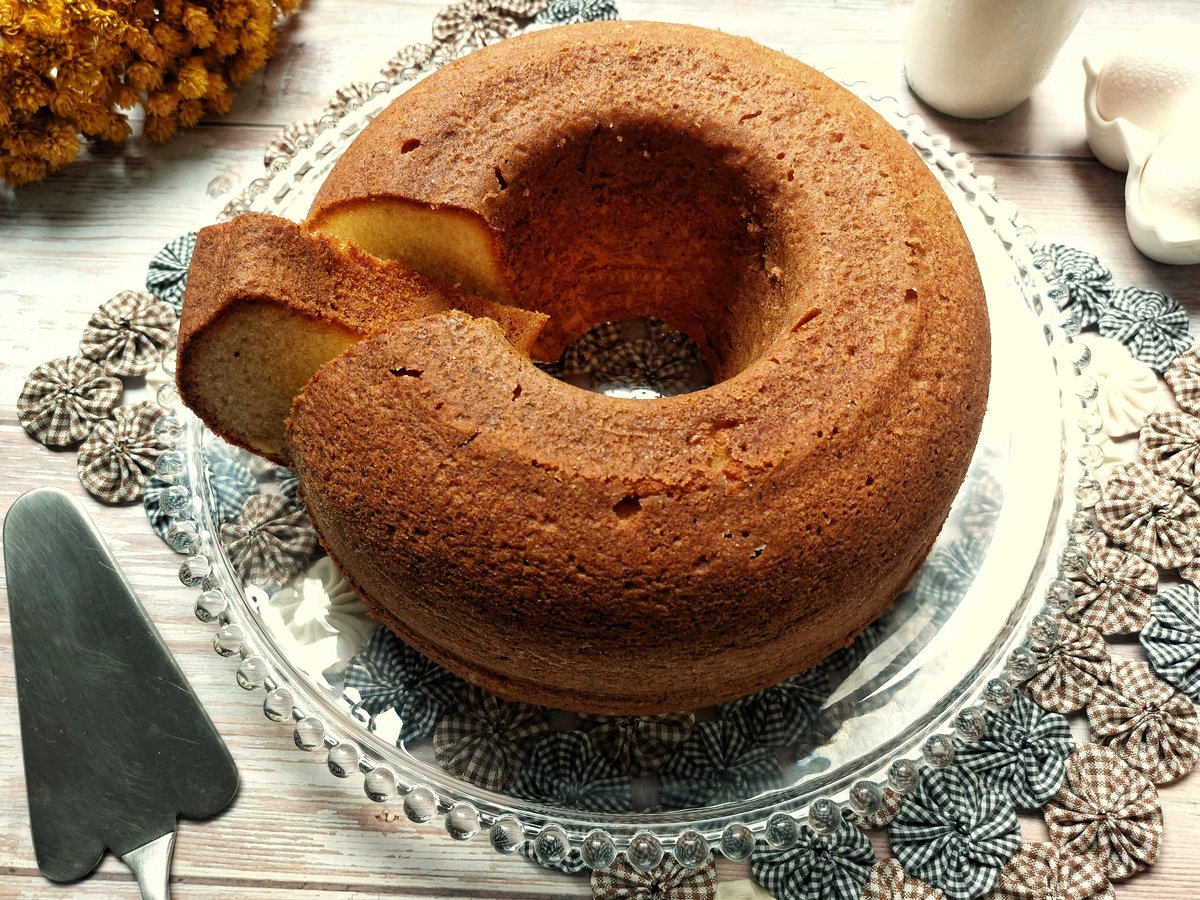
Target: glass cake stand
830, 744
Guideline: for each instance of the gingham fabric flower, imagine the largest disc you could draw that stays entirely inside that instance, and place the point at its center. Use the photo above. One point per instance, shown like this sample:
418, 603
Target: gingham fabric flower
669, 880
1023, 753
290, 141
1171, 638
473, 23
1170, 444
889, 881
888, 807
128, 334
118, 456
1152, 325
1150, 724
564, 769
1088, 284
1183, 377
633, 353
818, 867
955, 833
985, 494
572, 864
152, 495
484, 739
718, 763
270, 541
406, 62
167, 275
64, 398
1126, 388
231, 482
1041, 871
1069, 671
1108, 809
1144, 512
782, 715
636, 745
1113, 588
567, 12
390, 675
288, 483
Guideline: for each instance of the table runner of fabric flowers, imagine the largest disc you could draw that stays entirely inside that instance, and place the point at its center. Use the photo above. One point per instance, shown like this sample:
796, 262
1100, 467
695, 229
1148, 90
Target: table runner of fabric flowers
952, 824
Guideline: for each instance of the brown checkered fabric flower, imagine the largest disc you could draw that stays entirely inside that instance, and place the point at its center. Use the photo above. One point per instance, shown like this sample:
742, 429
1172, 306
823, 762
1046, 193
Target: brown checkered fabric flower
1043, 872
892, 801
64, 398
270, 541
474, 24
1151, 516
485, 739
889, 881
1170, 445
128, 334
1113, 588
119, 454
669, 880
1069, 672
1183, 377
1108, 809
638, 744
1153, 726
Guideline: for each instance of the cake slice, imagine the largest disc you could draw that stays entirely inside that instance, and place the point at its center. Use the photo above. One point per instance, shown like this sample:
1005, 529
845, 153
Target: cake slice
267, 304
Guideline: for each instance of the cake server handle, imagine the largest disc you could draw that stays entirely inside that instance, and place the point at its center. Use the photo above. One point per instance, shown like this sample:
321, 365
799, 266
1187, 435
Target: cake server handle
151, 866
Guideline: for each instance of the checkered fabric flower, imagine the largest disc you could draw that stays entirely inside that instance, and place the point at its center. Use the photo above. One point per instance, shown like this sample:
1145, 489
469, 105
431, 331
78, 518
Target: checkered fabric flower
390, 675
1108, 809
1088, 284
782, 715
118, 456
64, 398
1183, 377
955, 833
572, 864
288, 483
484, 739
128, 334
1127, 388
1069, 672
1150, 724
1151, 516
890, 805
564, 769
167, 275
474, 24
1170, 444
152, 495
1153, 326
818, 867
636, 745
568, 12
1113, 588
889, 881
1041, 871
232, 483
718, 763
1171, 638
1023, 753
669, 880
985, 493
270, 541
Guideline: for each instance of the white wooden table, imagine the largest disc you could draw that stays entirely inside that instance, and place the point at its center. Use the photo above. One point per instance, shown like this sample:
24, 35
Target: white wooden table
75, 240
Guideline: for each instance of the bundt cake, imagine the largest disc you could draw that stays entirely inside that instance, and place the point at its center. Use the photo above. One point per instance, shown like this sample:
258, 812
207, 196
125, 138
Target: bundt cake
621, 556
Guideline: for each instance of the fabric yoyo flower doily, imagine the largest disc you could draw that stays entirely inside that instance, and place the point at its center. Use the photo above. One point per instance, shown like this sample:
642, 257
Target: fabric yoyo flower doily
270, 541
64, 398
889, 881
391, 676
669, 880
1171, 638
1151, 516
1183, 377
832, 866
1108, 809
1126, 388
1170, 444
564, 769
1043, 872
118, 456
485, 739
718, 762
128, 334
570, 12
1113, 587
166, 278
638, 744
1070, 669
1153, 326
1088, 284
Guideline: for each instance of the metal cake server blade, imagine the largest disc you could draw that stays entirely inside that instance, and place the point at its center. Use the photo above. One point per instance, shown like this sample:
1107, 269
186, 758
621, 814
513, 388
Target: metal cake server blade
116, 744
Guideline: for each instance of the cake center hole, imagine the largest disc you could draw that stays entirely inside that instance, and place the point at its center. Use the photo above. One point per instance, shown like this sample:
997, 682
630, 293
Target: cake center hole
637, 359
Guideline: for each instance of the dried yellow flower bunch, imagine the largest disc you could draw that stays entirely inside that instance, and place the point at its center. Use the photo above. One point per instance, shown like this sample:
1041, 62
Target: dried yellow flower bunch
69, 67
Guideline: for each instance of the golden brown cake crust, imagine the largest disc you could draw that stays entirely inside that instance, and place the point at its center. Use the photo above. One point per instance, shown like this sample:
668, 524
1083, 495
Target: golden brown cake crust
629, 557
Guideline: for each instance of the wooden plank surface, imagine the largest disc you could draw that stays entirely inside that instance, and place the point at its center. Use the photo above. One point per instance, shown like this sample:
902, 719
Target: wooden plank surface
67, 244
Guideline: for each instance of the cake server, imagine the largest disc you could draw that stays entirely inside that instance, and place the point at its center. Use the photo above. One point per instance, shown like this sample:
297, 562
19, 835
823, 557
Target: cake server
116, 744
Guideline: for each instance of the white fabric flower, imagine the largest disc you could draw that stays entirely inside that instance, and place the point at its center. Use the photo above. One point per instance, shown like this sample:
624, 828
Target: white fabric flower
1128, 387
323, 617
